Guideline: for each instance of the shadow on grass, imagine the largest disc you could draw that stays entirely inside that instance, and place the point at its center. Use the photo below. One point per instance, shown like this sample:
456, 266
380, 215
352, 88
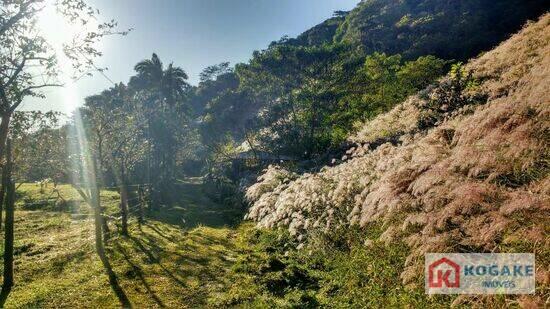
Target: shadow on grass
153, 259
160, 233
192, 207
113, 281
138, 272
192, 256
177, 253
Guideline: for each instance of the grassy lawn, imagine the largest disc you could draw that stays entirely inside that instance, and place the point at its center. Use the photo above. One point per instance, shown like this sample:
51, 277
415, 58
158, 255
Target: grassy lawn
164, 262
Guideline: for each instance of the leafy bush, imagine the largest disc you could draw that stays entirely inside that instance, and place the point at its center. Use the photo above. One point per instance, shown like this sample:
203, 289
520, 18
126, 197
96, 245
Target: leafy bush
450, 95
360, 276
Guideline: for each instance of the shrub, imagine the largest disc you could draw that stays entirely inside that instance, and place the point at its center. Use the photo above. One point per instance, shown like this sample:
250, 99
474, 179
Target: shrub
453, 93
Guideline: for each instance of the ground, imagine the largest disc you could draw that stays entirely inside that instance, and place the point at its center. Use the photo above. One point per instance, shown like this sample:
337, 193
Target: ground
196, 253
165, 262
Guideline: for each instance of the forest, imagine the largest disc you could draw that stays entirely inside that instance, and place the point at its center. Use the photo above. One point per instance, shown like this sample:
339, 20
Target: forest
317, 174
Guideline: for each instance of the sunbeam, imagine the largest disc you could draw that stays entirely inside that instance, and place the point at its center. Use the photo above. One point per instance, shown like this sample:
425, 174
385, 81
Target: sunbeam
59, 32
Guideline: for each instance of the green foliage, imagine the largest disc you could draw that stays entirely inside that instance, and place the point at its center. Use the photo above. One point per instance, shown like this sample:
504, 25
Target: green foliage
302, 96
117, 131
39, 146
315, 95
271, 272
448, 30
140, 131
459, 90
385, 81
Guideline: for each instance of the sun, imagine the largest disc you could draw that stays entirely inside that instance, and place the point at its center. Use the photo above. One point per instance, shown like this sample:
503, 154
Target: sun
55, 27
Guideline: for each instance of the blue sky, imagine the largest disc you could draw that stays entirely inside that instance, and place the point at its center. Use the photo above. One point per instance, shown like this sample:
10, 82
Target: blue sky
193, 34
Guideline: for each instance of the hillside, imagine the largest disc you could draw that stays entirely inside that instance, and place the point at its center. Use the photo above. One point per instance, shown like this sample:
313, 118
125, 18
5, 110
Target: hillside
313, 88
447, 29
318, 174
462, 166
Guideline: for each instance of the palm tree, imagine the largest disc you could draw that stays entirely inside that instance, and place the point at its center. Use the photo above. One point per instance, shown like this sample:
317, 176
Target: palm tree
164, 91
170, 85
174, 85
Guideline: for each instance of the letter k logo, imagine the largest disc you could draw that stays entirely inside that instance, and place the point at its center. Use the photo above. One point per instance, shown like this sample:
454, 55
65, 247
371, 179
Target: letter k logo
443, 275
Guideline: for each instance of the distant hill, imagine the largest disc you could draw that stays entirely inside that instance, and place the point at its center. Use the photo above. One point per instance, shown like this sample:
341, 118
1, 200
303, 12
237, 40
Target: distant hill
447, 29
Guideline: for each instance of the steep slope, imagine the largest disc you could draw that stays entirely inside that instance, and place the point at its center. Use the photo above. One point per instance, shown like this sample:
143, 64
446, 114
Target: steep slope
462, 167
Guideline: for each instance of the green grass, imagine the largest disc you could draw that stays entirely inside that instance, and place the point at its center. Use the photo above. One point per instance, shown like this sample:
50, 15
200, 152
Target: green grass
162, 263
269, 273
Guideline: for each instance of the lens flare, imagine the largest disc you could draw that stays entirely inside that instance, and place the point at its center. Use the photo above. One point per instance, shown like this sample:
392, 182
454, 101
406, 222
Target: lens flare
57, 30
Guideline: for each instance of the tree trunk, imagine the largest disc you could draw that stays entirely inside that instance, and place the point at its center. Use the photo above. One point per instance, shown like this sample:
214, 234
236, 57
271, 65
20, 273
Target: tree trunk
100, 248
96, 205
5, 183
123, 202
94, 200
141, 201
8, 236
4, 129
104, 226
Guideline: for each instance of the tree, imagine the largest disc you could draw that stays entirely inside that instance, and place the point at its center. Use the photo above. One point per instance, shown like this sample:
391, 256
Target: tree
162, 95
378, 84
39, 146
9, 186
340, 13
169, 85
91, 195
127, 149
28, 64
212, 72
296, 82
119, 138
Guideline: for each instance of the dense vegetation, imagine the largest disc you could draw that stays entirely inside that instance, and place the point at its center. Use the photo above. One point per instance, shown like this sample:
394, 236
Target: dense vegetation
300, 98
373, 141
459, 167
312, 89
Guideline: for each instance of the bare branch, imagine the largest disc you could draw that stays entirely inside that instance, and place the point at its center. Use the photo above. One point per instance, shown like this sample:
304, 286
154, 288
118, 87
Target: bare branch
82, 194
30, 88
15, 74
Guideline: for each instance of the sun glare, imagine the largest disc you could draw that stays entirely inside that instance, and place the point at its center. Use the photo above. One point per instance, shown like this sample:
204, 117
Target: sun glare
58, 31
55, 27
